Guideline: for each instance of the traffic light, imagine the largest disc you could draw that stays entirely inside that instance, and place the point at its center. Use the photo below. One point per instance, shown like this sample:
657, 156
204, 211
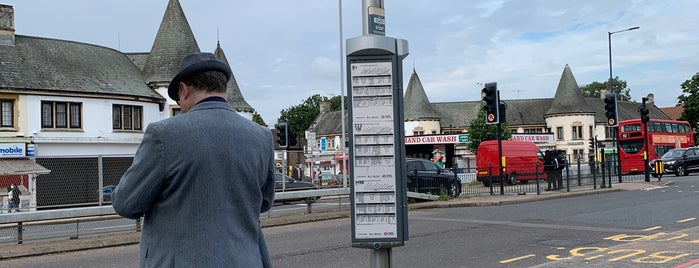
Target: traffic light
283, 135
644, 112
491, 102
592, 144
610, 110
292, 139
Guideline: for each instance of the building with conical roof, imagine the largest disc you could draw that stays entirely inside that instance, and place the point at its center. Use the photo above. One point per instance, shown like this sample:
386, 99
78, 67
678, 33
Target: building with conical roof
233, 95
63, 98
564, 122
420, 117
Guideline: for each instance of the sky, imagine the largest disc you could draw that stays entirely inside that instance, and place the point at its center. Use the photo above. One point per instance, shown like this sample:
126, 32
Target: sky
284, 51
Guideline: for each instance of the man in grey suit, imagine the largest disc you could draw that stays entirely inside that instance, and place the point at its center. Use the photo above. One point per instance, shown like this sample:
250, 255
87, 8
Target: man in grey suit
200, 179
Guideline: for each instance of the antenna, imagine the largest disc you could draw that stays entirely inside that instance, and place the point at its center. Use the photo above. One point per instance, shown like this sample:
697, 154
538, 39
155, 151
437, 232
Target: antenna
518, 91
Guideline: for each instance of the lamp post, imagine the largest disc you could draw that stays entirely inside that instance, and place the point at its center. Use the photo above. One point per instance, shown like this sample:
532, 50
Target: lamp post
611, 90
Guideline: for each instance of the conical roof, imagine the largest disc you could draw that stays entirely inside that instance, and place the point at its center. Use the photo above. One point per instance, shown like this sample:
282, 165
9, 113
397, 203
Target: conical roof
233, 95
417, 106
569, 99
173, 41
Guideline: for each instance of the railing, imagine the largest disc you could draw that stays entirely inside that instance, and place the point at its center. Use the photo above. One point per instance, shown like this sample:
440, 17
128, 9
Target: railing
14, 225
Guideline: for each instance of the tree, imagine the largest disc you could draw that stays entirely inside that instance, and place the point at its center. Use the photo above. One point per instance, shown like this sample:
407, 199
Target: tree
593, 89
301, 116
257, 118
690, 99
478, 131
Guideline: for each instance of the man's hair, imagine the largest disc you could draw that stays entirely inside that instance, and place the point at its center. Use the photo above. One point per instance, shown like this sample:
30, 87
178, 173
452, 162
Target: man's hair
208, 81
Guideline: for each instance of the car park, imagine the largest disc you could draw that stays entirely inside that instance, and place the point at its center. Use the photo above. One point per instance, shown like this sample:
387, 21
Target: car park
679, 161
423, 176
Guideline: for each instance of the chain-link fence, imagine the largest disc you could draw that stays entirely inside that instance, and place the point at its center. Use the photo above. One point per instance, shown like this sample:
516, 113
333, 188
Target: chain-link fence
79, 180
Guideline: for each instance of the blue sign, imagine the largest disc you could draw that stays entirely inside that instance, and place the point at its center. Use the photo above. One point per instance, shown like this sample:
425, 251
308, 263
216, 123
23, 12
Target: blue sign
12, 149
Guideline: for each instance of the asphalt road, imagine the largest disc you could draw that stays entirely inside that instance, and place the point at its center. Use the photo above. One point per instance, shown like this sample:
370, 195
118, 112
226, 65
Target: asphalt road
653, 227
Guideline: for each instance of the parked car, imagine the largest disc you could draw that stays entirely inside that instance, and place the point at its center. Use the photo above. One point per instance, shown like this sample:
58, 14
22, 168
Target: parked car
679, 161
426, 177
326, 178
286, 183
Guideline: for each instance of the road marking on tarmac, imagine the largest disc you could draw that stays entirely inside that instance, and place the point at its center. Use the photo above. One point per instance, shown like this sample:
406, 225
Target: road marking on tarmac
652, 228
517, 258
654, 188
686, 220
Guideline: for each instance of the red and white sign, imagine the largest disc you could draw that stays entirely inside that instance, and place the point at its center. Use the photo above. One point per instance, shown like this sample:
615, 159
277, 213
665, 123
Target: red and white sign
438, 139
535, 138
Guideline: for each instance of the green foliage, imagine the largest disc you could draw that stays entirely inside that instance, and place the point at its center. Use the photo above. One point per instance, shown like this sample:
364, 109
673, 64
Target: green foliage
478, 131
593, 89
690, 99
258, 119
301, 116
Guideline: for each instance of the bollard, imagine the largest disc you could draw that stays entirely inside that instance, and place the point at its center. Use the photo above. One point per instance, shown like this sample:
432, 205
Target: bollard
579, 183
490, 176
594, 175
567, 177
536, 171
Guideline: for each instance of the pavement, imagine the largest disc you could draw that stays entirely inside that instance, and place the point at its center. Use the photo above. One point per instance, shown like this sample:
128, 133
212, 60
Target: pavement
42, 248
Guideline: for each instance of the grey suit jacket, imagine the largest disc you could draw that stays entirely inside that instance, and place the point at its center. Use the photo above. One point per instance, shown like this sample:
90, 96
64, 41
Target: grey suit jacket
201, 180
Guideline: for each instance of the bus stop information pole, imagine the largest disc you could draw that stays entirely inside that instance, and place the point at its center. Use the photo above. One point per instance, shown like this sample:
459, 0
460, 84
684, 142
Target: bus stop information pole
378, 193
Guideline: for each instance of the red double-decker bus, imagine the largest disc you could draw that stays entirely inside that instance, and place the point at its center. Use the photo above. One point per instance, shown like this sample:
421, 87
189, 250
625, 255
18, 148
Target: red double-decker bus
663, 135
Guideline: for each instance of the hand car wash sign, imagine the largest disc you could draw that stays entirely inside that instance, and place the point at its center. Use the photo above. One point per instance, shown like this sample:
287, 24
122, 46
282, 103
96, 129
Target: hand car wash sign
438, 139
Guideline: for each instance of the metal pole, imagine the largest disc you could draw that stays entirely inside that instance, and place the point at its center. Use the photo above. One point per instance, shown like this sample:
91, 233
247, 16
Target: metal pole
365, 13
611, 90
342, 99
381, 258
502, 179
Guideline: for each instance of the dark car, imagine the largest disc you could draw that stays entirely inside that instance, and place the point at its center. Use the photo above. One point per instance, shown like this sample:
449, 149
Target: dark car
426, 177
679, 161
286, 183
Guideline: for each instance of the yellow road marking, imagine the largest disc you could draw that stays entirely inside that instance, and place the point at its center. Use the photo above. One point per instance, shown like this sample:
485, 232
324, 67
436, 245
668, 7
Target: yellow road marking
652, 228
517, 259
686, 220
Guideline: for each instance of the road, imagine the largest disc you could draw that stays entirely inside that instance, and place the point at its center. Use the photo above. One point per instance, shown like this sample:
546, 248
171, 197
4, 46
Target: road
654, 227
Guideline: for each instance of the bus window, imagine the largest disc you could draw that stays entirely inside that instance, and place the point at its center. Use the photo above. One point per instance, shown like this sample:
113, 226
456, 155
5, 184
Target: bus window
668, 128
661, 150
675, 128
631, 146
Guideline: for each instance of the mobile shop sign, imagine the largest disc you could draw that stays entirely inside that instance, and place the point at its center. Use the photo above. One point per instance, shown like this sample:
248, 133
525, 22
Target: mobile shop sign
12, 149
439, 139
535, 138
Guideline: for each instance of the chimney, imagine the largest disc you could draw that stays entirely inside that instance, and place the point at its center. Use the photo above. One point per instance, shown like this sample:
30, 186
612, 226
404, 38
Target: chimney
7, 25
651, 99
324, 107
603, 93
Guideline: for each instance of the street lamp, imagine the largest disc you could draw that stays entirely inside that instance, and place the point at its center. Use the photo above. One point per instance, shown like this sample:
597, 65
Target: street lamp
611, 90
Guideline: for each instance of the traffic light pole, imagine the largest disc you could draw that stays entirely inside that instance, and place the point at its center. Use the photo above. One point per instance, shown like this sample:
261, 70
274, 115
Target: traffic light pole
502, 179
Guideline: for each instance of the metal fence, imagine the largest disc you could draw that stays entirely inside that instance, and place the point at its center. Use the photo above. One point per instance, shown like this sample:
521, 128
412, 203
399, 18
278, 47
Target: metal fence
575, 174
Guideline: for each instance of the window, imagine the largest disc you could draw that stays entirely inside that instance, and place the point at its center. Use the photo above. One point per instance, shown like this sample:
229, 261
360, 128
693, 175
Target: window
61, 114
7, 113
592, 132
559, 133
578, 154
176, 111
127, 117
577, 133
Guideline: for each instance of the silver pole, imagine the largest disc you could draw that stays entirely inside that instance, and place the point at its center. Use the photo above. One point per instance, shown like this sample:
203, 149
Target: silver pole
365, 13
342, 98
